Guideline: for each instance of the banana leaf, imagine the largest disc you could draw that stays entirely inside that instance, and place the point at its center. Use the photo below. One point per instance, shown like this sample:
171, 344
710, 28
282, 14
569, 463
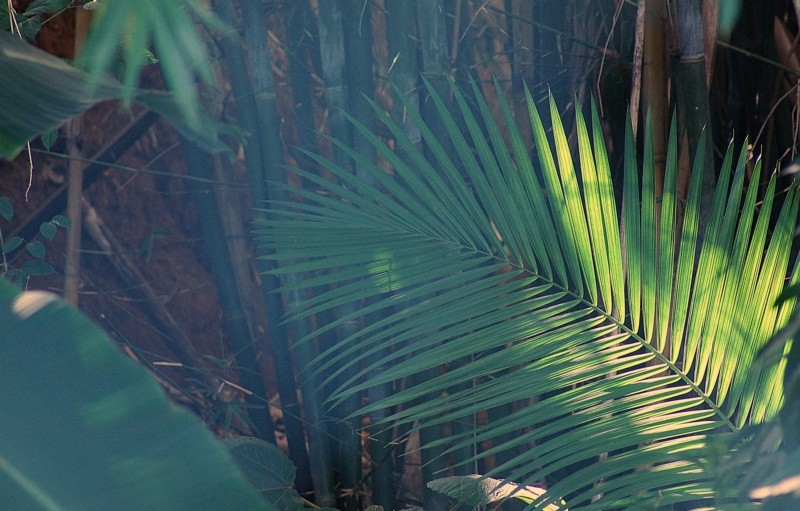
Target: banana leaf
84, 427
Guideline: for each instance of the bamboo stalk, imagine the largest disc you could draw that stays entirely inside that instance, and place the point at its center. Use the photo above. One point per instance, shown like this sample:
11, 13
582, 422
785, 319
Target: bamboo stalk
550, 36
522, 62
693, 106
218, 219
435, 61
384, 487
655, 94
404, 75
269, 129
403, 72
332, 62
277, 338
335, 67
301, 32
636, 79
435, 67
357, 32
72, 263
301, 29
710, 30
435, 64
72, 257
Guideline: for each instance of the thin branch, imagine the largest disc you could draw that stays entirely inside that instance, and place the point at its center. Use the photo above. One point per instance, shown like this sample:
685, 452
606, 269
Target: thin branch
72, 263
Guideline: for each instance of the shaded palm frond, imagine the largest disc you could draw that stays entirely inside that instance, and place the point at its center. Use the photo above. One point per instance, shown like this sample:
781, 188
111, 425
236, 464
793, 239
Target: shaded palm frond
637, 350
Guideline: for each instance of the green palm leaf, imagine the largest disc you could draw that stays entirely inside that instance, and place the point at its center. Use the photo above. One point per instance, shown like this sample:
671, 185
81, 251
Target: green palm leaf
636, 350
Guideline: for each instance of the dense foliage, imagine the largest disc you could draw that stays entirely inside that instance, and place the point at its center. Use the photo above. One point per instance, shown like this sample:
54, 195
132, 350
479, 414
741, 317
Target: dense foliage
563, 304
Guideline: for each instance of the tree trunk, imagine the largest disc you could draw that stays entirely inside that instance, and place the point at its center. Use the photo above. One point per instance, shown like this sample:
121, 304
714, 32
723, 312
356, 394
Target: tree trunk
435, 65
333, 45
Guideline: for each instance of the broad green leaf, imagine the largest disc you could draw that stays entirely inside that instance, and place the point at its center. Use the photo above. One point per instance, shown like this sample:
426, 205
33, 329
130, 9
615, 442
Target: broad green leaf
87, 428
269, 470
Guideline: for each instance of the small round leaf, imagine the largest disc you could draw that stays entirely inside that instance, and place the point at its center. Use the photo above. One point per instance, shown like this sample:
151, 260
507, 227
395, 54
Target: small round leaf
36, 249
61, 221
48, 230
12, 244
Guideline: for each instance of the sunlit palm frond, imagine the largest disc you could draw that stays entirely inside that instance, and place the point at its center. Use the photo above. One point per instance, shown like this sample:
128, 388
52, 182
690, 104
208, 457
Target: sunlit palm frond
636, 339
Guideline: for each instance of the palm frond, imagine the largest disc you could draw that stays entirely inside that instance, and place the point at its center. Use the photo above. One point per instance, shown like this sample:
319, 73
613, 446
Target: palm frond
636, 339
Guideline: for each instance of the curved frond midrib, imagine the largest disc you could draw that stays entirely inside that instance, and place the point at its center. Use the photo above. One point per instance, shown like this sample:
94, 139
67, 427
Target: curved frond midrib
405, 231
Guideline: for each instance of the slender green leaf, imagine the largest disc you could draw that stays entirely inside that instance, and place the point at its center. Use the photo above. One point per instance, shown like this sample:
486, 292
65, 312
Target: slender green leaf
666, 240
609, 214
576, 219
632, 229
649, 234
590, 186
685, 269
